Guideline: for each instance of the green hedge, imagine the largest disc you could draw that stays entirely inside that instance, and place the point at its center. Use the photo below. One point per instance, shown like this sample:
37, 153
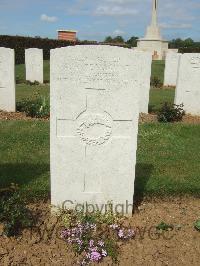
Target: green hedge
189, 50
20, 43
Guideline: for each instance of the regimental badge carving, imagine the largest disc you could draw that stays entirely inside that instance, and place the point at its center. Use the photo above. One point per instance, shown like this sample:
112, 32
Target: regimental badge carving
195, 62
94, 129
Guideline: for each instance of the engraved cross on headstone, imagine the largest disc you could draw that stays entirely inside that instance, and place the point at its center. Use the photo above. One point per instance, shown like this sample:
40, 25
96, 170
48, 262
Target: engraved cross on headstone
95, 129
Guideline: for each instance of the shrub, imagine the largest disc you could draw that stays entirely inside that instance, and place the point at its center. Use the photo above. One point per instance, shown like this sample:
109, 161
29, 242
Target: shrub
171, 113
14, 214
30, 83
156, 82
38, 107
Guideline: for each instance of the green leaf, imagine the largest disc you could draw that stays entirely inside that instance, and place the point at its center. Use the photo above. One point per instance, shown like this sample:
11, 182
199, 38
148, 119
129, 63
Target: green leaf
164, 226
197, 225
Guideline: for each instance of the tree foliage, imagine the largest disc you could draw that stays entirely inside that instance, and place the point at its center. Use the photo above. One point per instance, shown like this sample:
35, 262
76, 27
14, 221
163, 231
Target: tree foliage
132, 42
187, 43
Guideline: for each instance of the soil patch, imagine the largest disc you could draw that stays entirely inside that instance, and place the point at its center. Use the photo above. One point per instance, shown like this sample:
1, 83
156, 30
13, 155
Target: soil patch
18, 116
189, 119
152, 118
144, 118
181, 246
148, 118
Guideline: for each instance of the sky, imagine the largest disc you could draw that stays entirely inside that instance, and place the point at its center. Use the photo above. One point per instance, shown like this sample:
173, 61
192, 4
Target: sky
96, 19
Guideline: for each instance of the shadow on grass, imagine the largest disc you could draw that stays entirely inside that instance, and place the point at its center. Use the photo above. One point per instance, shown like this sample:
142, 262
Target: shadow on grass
151, 108
21, 173
142, 176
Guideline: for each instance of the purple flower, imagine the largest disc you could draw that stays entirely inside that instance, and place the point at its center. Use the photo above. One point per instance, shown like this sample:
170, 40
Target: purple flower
93, 249
91, 243
79, 242
88, 255
73, 230
131, 233
65, 233
104, 253
79, 225
101, 243
95, 256
114, 226
83, 262
93, 226
69, 241
126, 234
121, 233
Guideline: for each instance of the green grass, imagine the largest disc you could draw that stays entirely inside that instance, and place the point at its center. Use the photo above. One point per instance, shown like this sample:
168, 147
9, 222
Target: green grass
20, 73
158, 97
24, 91
158, 68
24, 157
168, 158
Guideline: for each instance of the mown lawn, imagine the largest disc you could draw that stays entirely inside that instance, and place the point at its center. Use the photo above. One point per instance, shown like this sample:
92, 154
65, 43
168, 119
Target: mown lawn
158, 97
24, 91
24, 156
168, 158
158, 68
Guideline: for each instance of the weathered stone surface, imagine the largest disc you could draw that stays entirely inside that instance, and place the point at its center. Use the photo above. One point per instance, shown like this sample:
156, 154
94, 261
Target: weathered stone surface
171, 69
145, 79
7, 79
34, 64
94, 124
188, 83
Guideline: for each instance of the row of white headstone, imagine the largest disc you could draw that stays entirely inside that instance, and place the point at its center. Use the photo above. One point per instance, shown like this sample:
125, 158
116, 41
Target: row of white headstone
96, 94
34, 65
34, 72
183, 72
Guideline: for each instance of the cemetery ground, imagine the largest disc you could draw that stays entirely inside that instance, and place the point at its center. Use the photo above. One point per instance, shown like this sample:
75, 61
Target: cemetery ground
167, 187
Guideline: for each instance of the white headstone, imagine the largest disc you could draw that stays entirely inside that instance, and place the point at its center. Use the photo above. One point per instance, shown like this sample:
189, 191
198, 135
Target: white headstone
7, 80
94, 125
145, 80
34, 64
171, 69
188, 83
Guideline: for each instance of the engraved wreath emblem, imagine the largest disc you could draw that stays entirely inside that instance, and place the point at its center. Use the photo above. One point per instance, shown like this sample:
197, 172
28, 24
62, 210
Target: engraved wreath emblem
95, 129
